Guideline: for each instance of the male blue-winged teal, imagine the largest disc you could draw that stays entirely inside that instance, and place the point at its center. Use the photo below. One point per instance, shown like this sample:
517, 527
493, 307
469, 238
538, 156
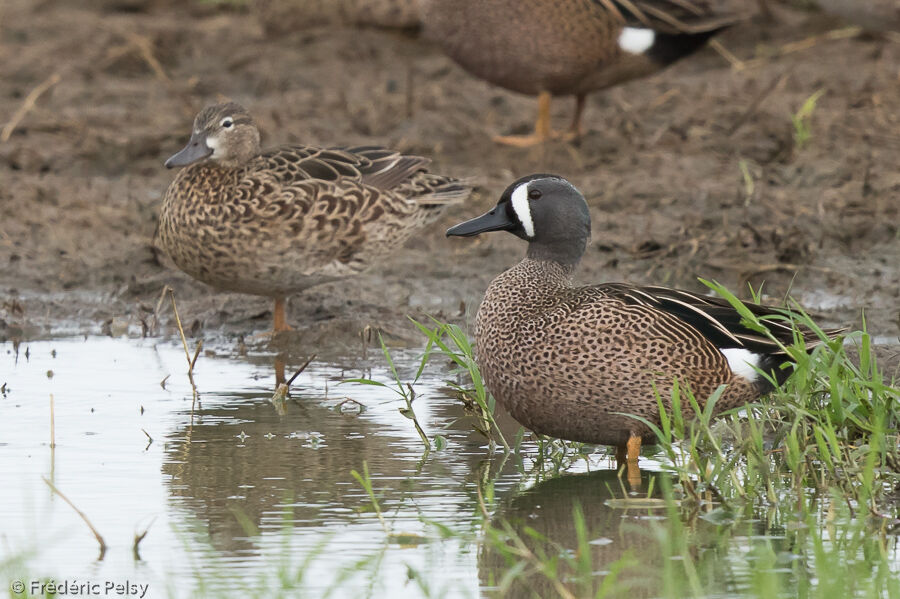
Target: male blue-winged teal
568, 361
277, 222
567, 47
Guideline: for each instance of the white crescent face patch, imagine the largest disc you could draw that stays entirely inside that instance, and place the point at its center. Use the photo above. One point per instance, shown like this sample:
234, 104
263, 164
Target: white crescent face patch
212, 142
522, 209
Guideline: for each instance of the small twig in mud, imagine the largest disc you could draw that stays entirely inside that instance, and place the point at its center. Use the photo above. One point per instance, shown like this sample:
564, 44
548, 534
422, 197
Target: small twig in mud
755, 104
83, 517
411, 414
187, 354
282, 390
804, 44
736, 63
481, 505
162, 383
348, 400
301, 369
27, 105
138, 537
154, 327
196, 355
52, 425
144, 47
745, 276
149, 438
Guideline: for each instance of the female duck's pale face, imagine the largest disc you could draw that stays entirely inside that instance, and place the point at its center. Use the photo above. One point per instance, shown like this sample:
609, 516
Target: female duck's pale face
224, 133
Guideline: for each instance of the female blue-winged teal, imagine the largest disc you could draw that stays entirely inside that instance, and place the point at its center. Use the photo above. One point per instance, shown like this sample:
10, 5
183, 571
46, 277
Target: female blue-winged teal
276, 222
567, 47
568, 361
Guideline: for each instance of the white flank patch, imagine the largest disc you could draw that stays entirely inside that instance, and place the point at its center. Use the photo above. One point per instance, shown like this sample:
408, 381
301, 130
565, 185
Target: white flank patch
523, 211
635, 40
742, 362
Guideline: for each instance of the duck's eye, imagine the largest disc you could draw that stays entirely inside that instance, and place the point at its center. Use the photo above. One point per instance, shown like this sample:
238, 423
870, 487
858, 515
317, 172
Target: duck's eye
534, 194
227, 122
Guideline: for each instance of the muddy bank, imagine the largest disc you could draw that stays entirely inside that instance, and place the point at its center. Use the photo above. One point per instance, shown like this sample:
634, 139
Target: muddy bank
694, 172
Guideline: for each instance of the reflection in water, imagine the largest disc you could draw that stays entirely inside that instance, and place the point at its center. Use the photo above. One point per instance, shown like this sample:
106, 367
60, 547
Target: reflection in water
243, 460
245, 490
242, 456
614, 531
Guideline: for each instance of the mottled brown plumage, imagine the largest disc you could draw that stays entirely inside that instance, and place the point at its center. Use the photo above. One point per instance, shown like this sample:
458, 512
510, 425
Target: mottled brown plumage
575, 362
566, 47
277, 222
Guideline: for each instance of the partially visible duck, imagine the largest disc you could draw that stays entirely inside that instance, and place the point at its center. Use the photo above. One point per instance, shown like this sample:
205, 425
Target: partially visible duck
567, 47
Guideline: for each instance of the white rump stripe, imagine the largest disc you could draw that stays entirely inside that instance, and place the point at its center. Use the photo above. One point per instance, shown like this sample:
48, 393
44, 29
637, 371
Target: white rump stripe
635, 40
742, 362
523, 211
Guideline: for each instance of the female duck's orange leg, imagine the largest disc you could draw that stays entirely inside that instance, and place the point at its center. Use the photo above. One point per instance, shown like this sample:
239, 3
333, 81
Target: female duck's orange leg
280, 318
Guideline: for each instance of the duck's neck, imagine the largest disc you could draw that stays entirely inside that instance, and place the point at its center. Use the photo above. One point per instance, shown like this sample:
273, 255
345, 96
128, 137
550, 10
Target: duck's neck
546, 273
567, 252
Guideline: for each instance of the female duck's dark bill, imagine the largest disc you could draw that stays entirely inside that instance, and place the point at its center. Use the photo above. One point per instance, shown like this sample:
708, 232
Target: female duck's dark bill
195, 150
495, 220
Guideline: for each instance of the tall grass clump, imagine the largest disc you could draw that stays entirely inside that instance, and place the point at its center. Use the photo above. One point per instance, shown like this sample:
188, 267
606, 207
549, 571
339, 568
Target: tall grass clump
453, 343
832, 426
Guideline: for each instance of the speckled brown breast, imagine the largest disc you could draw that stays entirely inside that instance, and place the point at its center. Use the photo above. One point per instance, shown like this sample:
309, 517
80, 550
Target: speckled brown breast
568, 361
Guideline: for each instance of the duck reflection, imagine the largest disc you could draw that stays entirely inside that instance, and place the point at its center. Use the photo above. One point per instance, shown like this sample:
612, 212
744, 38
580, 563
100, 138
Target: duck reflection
619, 527
242, 457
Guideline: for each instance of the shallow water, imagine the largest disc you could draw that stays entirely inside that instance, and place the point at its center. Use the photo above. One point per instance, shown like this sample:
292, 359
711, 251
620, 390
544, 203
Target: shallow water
237, 493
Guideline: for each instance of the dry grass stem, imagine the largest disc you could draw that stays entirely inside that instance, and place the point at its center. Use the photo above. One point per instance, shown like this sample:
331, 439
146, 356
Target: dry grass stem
187, 354
138, 537
83, 517
27, 106
52, 424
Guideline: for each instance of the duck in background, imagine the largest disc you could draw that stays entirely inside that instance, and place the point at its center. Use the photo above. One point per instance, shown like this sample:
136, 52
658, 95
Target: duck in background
567, 47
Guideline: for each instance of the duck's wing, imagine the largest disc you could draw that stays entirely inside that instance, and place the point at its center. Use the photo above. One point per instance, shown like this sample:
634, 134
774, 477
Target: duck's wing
717, 320
370, 165
671, 16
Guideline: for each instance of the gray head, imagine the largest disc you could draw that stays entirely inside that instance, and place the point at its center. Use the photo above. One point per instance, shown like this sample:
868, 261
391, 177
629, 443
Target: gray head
224, 133
545, 210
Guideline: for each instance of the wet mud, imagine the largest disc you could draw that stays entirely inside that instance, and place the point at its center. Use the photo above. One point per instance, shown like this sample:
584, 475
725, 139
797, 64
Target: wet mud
694, 172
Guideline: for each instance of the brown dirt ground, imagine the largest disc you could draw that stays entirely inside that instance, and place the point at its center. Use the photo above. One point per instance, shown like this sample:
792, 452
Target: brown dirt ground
81, 177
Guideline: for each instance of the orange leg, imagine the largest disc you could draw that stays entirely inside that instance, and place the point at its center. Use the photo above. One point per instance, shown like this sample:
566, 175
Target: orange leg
280, 318
627, 455
542, 131
633, 451
279, 372
574, 132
